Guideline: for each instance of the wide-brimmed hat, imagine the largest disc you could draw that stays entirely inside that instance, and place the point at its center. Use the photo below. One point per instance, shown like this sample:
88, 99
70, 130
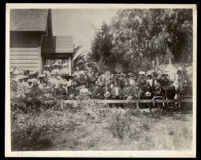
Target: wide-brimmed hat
46, 66
149, 73
130, 74
141, 72
148, 93
41, 76
64, 64
19, 77
16, 72
129, 98
56, 64
107, 94
33, 72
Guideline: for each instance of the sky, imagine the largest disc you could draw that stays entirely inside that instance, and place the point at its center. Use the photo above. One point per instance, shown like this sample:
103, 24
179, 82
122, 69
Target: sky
81, 24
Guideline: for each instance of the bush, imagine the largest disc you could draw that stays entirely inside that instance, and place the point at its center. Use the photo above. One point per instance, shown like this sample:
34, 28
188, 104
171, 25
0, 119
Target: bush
128, 124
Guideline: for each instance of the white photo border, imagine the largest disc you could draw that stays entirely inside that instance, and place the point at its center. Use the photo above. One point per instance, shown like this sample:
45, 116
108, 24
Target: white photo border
180, 153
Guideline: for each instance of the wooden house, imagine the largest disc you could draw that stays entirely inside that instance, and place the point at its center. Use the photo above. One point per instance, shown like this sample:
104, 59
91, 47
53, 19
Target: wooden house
32, 43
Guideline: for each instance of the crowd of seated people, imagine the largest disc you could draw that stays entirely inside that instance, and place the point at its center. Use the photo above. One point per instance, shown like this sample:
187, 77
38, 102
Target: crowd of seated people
56, 81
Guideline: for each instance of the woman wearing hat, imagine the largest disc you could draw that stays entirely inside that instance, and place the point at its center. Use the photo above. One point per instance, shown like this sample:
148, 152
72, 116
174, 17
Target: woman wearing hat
46, 71
64, 70
56, 67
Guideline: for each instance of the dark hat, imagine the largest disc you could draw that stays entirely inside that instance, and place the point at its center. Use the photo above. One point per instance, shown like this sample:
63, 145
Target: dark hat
179, 72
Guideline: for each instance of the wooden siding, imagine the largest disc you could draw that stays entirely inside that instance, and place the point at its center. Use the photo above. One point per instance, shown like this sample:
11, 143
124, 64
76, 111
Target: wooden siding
25, 58
25, 39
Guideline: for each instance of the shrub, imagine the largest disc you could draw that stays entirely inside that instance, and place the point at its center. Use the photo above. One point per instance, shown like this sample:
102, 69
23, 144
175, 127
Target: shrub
129, 124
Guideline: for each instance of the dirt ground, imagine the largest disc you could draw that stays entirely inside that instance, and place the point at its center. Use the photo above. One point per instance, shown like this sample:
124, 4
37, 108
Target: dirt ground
125, 130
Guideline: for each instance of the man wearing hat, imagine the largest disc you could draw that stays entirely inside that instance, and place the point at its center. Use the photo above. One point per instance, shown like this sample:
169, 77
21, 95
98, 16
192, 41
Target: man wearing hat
100, 93
106, 91
165, 80
96, 90
141, 79
159, 93
149, 77
159, 90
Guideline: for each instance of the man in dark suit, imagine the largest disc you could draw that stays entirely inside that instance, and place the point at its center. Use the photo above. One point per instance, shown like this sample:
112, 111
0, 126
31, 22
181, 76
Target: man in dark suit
96, 90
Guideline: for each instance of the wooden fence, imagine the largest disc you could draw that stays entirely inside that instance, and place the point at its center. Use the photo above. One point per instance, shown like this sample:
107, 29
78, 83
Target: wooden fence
187, 100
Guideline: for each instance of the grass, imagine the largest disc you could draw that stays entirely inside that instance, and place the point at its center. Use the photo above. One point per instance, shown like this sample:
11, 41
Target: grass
98, 127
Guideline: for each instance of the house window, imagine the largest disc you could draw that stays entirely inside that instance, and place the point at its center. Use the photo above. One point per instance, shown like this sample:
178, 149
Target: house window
50, 61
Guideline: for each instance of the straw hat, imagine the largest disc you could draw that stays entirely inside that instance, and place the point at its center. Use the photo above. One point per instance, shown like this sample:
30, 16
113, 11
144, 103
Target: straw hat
107, 94
148, 94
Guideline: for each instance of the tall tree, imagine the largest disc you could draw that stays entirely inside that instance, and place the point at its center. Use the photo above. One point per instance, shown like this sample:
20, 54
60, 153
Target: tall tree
101, 48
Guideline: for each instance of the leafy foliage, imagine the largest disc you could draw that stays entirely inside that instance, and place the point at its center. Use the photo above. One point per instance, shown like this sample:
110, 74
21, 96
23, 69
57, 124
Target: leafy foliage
137, 36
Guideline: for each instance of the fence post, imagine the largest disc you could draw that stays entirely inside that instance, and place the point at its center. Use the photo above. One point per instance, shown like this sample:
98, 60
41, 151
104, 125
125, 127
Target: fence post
137, 104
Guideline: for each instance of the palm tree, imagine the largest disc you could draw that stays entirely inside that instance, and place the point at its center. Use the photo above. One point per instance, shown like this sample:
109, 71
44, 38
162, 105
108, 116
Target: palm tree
81, 60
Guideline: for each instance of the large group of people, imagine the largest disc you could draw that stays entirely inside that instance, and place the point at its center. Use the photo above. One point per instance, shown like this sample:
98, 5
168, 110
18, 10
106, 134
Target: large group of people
57, 81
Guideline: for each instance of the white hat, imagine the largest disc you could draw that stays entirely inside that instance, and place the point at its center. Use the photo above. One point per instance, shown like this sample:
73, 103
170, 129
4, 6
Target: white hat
148, 73
46, 66
41, 76
30, 80
21, 77
33, 72
141, 72
64, 64
56, 64
16, 72
180, 68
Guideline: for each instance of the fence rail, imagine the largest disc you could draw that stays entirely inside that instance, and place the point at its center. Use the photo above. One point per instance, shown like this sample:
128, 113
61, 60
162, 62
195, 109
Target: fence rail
187, 100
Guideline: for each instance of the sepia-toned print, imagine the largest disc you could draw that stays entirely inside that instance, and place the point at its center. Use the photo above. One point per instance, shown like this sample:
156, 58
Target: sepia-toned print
113, 81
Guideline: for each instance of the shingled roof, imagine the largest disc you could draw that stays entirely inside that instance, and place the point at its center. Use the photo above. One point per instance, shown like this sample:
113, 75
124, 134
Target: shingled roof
57, 44
28, 19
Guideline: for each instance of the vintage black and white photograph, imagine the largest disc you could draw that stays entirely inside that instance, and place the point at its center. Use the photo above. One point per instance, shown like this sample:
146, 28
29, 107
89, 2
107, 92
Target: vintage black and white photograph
111, 78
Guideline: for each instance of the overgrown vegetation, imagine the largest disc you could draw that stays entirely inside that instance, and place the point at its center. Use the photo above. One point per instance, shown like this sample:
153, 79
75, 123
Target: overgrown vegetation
55, 125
